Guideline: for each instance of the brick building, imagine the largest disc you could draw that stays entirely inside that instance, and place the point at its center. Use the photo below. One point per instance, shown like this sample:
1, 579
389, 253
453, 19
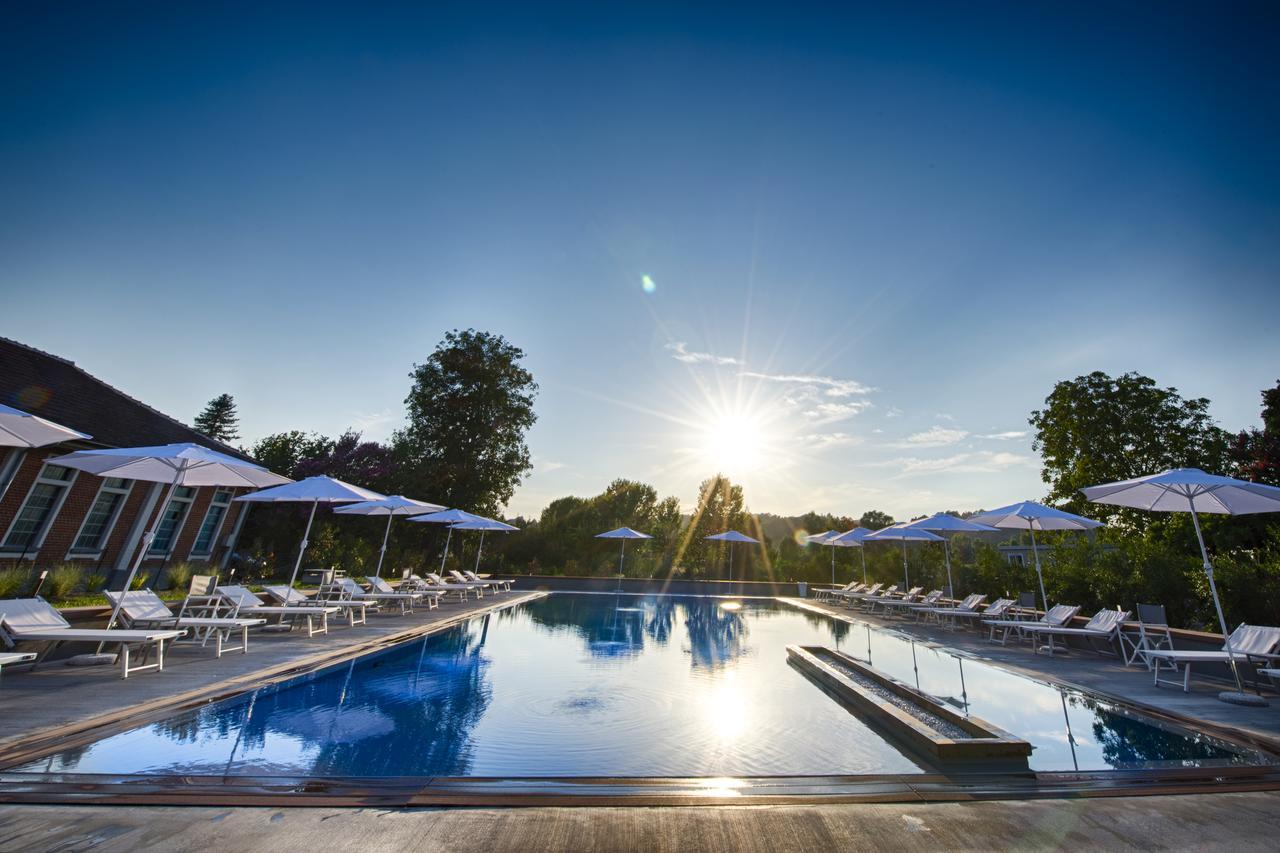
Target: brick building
50, 514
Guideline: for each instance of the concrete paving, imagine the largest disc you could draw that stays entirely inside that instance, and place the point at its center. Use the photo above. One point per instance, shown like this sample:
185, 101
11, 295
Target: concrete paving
56, 697
1087, 669
1222, 822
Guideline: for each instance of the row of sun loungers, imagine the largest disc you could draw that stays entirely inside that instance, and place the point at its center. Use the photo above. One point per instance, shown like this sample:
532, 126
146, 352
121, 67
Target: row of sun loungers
221, 615
1006, 618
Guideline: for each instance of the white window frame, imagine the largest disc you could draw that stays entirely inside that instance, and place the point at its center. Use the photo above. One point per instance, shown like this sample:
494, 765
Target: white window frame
177, 525
217, 531
74, 553
34, 548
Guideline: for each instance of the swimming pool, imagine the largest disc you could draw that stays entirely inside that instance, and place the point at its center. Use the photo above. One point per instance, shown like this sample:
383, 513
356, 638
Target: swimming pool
589, 685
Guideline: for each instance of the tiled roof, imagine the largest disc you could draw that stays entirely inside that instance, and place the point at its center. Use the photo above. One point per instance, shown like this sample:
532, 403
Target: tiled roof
56, 389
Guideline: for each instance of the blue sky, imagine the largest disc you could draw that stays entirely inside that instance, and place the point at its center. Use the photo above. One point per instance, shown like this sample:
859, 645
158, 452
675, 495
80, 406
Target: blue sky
875, 238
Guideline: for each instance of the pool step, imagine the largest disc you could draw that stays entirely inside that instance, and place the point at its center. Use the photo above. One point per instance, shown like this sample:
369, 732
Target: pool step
929, 728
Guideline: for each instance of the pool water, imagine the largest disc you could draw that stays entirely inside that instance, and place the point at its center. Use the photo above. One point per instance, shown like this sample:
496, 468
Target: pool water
598, 685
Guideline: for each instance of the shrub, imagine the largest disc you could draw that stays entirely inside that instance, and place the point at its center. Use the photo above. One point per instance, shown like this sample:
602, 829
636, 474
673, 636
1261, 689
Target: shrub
95, 582
63, 580
13, 582
179, 576
139, 581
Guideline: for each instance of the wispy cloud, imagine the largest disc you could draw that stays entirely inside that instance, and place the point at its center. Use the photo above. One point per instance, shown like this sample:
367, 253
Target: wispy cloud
373, 426
893, 412
546, 466
826, 440
680, 352
937, 436
828, 412
1011, 435
828, 386
943, 416
982, 462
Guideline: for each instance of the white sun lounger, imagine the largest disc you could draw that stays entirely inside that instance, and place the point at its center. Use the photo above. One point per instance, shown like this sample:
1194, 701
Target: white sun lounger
10, 658
477, 588
458, 577
906, 605
1153, 633
495, 582
970, 604
827, 593
850, 598
997, 609
1058, 616
285, 596
1250, 645
142, 608
246, 603
413, 582
379, 586
1104, 626
887, 600
35, 620
349, 590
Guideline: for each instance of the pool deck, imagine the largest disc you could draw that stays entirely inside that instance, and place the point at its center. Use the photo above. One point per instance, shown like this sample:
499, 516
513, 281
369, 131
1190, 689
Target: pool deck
1085, 669
55, 701
1216, 822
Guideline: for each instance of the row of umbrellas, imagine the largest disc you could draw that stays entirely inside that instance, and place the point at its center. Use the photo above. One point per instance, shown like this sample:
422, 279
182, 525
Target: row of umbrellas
1178, 490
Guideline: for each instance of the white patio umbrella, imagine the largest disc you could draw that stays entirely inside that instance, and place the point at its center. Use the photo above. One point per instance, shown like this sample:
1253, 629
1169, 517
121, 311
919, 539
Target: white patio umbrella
943, 523
623, 533
853, 539
484, 525
176, 464
1192, 490
315, 491
732, 537
827, 539
390, 506
904, 535
23, 429
450, 517
1032, 516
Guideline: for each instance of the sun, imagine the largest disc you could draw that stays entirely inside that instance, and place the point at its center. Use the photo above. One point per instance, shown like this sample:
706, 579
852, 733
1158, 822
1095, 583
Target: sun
735, 443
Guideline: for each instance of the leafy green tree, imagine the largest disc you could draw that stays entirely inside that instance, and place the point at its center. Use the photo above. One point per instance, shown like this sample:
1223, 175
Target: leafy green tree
720, 508
283, 451
1098, 428
469, 409
1255, 453
874, 519
219, 419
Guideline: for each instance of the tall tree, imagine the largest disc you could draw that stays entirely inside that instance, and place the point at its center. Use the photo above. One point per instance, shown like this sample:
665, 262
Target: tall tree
362, 463
720, 508
468, 411
1097, 429
219, 419
1255, 453
874, 519
283, 451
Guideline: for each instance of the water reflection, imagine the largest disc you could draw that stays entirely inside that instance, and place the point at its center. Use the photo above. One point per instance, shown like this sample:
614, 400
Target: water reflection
717, 637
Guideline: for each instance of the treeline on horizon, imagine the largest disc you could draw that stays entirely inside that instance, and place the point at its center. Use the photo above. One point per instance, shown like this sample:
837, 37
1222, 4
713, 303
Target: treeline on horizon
470, 406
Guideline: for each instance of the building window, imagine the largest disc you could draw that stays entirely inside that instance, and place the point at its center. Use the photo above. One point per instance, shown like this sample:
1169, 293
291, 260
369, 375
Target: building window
171, 522
41, 505
212, 521
102, 516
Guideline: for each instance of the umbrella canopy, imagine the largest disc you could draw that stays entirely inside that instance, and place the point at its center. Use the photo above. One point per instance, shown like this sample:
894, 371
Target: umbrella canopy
623, 533
828, 539
484, 525
853, 539
732, 537
316, 491
451, 517
23, 429
176, 464
390, 506
1194, 491
898, 532
944, 522
1033, 516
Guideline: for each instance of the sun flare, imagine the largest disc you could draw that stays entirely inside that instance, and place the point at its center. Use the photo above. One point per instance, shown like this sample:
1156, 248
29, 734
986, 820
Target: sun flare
735, 443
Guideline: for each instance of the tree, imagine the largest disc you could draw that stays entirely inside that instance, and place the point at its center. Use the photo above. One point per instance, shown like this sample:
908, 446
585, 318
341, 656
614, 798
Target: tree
1255, 453
720, 508
1098, 429
363, 463
283, 451
219, 419
874, 519
468, 411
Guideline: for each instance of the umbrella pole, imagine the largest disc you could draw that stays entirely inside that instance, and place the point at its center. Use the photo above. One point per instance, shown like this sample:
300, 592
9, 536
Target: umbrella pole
1039, 574
863, 550
946, 552
383, 553
1217, 604
833, 565
302, 548
147, 539
731, 561
445, 555
906, 576
479, 551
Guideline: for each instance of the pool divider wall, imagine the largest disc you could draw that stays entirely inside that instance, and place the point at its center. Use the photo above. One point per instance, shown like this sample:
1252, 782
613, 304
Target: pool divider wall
987, 749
